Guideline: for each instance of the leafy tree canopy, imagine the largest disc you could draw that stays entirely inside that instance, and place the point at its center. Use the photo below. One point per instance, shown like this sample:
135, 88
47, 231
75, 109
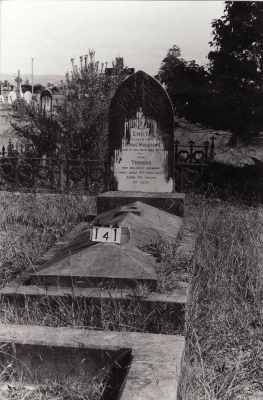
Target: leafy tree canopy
187, 85
79, 124
227, 93
238, 42
236, 67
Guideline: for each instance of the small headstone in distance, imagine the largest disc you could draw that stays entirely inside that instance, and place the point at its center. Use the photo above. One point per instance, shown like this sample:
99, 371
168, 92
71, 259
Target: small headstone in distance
141, 132
46, 98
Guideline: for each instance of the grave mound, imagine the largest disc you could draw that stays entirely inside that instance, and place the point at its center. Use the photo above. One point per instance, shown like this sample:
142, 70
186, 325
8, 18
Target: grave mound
84, 263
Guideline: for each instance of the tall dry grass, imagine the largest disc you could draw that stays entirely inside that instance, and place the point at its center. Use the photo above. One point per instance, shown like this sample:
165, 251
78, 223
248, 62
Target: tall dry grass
99, 314
224, 340
31, 223
12, 388
30, 226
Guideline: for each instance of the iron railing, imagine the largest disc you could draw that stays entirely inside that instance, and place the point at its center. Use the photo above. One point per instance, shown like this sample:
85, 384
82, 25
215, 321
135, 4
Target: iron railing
55, 174
62, 174
191, 161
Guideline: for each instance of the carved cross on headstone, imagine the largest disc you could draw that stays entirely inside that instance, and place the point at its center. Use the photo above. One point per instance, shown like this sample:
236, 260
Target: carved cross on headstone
18, 87
141, 136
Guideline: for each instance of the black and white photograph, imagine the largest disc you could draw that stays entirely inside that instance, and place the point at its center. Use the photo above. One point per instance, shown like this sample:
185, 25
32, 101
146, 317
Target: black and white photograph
131, 191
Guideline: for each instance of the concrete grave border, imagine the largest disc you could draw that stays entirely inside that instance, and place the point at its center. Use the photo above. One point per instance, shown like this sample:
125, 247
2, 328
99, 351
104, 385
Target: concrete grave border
154, 369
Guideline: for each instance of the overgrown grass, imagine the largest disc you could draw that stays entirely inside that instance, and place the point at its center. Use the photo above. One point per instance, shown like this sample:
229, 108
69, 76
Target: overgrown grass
101, 314
65, 389
238, 156
224, 341
31, 223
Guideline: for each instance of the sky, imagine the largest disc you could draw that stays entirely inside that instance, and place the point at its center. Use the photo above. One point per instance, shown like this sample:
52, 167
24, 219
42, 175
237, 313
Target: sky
52, 32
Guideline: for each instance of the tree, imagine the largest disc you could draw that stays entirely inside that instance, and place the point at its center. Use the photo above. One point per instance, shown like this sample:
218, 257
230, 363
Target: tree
37, 87
80, 123
187, 84
168, 65
26, 87
38, 128
84, 110
227, 94
166, 73
236, 66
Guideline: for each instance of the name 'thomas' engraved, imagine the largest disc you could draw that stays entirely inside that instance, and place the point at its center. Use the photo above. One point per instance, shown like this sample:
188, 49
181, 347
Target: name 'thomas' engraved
141, 162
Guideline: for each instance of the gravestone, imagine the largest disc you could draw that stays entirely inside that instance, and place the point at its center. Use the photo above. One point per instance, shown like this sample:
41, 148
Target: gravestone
141, 126
141, 147
11, 96
46, 98
27, 96
18, 88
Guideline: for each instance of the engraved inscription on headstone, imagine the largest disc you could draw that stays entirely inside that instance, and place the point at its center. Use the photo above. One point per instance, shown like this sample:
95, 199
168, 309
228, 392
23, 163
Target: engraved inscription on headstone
141, 136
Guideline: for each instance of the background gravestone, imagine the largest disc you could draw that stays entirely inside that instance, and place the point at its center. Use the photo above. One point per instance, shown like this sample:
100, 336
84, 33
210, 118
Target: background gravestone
141, 136
46, 98
18, 89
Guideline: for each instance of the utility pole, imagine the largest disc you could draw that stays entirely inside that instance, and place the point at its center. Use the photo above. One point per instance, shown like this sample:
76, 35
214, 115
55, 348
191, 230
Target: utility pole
32, 75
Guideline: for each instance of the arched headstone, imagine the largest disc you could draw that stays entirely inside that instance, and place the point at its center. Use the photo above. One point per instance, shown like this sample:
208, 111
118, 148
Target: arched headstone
27, 96
11, 96
46, 100
141, 132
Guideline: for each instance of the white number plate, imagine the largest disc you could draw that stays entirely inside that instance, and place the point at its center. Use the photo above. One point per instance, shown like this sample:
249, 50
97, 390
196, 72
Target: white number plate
107, 234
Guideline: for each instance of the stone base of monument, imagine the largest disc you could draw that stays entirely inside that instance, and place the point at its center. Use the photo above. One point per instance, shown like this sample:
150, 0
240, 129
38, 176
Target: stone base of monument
138, 366
169, 202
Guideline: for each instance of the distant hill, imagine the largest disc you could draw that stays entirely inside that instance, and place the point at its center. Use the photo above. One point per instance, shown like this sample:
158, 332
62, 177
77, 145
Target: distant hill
42, 79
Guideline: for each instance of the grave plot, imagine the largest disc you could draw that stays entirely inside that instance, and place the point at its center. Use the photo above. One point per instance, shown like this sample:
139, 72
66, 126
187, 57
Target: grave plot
89, 264
138, 365
109, 258
44, 354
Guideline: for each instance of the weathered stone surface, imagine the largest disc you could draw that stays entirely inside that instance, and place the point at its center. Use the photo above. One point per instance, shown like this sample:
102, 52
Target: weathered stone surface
108, 263
170, 202
16, 288
156, 359
146, 226
141, 126
83, 263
